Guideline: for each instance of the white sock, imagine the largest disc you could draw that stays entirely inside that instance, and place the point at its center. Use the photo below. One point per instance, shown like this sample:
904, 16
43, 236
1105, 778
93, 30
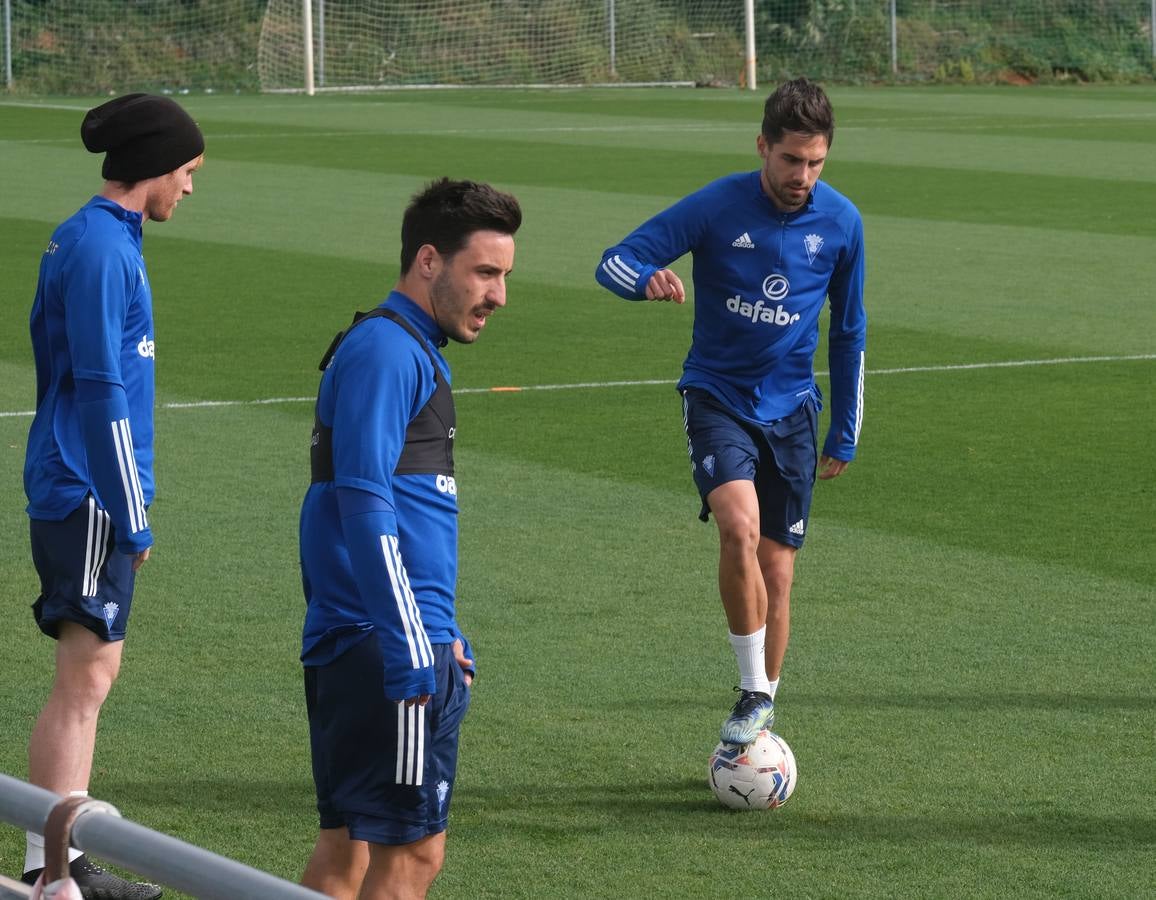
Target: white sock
33, 851
774, 687
34, 845
749, 651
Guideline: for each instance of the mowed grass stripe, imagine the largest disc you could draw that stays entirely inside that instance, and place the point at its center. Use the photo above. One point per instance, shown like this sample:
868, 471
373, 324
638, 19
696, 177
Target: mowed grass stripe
218, 265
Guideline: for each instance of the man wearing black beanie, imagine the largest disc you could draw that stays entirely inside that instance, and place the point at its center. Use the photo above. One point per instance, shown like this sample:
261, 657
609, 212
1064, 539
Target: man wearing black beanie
88, 471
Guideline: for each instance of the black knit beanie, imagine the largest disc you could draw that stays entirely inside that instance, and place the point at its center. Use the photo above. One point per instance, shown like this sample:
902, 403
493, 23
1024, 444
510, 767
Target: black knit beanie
142, 135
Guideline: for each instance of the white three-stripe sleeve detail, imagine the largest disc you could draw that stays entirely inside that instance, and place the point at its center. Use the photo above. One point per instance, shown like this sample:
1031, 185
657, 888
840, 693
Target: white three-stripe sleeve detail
420, 653
122, 441
859, 394
135, 474
623, 269
621, 273
423, 641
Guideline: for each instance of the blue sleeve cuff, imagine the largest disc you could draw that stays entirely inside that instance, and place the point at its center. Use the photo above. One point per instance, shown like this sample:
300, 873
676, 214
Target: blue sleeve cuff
624, 275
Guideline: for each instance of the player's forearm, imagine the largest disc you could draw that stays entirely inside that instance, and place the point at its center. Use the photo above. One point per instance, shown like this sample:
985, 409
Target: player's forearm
112, 466
848, 369
621, 273
370, 530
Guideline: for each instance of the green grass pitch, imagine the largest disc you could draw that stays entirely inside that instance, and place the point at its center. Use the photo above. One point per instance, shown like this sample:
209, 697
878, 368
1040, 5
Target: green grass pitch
969, 690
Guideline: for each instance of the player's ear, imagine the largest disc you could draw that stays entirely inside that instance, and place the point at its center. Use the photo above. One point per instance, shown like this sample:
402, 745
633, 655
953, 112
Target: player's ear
761, 144
427, 260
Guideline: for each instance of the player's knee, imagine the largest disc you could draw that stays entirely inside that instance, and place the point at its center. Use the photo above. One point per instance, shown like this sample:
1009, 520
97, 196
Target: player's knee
738, 532
87, 691
85, 685
778, 571
430, 857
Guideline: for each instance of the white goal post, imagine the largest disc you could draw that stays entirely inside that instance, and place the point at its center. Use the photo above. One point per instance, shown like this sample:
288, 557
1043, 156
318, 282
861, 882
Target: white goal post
311, 45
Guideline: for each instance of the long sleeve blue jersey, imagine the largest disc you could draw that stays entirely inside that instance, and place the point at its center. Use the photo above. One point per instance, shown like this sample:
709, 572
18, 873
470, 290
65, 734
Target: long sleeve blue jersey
761, 277
94, 349
378, 547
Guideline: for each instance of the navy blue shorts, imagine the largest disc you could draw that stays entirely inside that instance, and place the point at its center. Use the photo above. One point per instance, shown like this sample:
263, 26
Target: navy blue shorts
83, 577
383, 769
781, 459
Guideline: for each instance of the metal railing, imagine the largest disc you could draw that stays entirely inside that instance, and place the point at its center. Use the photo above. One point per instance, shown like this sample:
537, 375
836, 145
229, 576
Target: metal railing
98, 829
13, 890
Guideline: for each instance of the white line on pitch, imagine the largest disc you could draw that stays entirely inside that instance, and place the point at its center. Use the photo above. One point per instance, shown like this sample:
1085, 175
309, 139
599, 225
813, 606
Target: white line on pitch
648, 382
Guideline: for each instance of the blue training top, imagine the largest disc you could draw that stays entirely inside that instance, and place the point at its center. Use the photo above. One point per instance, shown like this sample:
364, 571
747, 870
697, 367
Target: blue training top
761, 277
93, 344
379, 548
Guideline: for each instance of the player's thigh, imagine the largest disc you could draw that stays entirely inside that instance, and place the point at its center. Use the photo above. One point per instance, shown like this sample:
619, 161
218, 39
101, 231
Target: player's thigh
721, 448
86, 664
83, 577
735, 505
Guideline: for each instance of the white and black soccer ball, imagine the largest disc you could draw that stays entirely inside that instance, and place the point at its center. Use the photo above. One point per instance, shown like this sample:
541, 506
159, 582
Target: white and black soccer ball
758, 775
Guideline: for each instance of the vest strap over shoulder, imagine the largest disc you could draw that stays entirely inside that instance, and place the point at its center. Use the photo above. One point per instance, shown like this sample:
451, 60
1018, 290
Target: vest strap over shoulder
429, 438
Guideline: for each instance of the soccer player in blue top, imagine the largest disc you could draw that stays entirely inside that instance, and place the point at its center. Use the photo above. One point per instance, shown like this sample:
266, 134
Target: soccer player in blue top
770, 247
88, 472
387, 670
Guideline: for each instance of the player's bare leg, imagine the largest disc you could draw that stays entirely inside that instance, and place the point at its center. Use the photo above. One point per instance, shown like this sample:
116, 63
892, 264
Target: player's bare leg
777, 562
735, 506
61, 747
403, 872
337, 866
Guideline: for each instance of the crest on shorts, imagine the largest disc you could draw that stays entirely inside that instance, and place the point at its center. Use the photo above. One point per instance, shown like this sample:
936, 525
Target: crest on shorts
110, 612
708, 464
443, 790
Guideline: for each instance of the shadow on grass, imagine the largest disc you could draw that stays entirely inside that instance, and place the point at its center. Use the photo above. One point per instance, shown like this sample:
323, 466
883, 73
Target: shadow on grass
655, 807
561, 811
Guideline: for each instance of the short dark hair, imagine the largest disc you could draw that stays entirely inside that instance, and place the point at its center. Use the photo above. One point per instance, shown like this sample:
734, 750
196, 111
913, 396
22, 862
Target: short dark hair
446, 213
799, 105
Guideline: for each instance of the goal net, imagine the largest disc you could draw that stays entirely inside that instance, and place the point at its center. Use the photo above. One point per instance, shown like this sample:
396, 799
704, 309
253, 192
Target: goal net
374, 43
103, 46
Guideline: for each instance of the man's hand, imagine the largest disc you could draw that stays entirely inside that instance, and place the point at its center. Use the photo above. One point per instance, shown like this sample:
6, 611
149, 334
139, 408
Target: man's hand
829, 467
462, 660
665, 285
139, 559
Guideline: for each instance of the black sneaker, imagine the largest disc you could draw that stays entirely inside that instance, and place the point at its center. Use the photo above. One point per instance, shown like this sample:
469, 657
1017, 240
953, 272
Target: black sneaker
753, 712
97, 884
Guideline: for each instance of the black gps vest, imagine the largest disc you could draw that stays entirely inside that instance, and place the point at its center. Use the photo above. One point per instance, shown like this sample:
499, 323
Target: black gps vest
429, 438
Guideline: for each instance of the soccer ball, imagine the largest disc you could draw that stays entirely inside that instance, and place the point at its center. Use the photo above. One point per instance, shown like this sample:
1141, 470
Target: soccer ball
758, 775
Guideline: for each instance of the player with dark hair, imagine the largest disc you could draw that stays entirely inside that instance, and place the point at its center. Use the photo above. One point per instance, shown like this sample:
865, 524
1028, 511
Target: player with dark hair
387, 670
88, 472
770, 247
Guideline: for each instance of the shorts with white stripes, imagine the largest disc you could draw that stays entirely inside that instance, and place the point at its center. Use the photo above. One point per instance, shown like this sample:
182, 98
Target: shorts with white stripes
383, 769
83, 577
780, 458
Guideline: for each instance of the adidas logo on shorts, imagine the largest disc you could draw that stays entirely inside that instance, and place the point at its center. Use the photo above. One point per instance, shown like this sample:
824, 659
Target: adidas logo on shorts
798, 528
